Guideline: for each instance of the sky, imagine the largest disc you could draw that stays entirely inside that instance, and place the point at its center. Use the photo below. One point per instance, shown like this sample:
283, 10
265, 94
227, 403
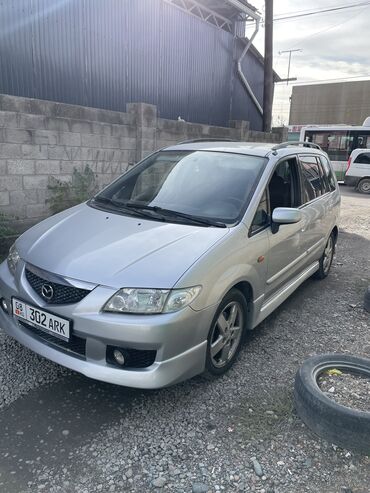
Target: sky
335, 45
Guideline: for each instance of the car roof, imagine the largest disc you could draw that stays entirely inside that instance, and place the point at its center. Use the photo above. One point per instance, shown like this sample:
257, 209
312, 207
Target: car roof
359, 150
249, 148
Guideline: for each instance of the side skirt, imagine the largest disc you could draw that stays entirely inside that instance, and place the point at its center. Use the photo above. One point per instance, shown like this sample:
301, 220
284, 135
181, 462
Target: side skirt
272, 303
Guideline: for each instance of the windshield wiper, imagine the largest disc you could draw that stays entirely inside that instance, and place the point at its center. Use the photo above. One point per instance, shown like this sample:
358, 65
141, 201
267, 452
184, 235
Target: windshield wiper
117, 205
169, 212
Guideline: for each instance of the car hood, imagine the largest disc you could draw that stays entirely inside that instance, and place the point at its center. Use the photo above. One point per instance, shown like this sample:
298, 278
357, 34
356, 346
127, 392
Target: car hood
114, 250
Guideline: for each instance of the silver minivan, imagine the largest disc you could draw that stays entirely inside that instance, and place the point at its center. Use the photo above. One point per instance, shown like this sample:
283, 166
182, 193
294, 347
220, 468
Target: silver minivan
158, 277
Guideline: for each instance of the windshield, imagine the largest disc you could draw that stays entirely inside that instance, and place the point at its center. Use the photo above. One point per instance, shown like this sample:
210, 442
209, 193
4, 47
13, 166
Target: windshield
206, 185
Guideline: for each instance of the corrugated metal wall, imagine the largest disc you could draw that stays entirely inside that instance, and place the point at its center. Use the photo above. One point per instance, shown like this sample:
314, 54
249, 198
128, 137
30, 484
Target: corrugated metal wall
106, 53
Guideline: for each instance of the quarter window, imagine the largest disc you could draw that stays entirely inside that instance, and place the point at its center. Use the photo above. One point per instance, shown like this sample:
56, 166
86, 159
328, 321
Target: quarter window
313, 185
363, 158
261, 219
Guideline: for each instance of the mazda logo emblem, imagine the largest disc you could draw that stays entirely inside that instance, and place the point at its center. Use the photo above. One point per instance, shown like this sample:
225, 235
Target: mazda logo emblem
47, 291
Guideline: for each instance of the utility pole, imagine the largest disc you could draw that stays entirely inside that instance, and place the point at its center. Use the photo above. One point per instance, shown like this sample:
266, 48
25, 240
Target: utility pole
290, 58
268, 85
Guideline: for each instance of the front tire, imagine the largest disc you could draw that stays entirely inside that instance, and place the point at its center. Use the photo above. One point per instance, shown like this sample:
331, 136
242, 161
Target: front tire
364, 186
326, 259
226, 333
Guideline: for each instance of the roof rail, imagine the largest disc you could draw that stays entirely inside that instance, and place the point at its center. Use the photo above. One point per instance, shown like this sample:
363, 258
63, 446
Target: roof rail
191, 141
296, 143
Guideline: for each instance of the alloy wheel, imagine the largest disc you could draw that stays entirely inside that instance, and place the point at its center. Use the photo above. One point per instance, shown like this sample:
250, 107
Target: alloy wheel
226, 334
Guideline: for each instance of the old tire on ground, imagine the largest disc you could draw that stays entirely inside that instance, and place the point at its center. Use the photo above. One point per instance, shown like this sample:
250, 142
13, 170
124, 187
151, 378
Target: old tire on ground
364, 185
338, 424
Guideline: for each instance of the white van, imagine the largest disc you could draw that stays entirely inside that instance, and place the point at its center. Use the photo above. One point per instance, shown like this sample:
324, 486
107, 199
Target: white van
358, 170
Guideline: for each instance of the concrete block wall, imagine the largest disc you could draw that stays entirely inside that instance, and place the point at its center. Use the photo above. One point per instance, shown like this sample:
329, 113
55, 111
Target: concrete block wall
44, 139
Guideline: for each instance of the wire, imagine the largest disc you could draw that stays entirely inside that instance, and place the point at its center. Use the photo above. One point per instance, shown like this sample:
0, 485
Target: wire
304, 11
309, 9
343, 79
301, 42
314, 12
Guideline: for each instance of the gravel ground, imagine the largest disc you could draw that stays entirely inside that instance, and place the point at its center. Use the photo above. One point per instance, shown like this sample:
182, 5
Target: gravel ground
61, 432
22, 370
347, 389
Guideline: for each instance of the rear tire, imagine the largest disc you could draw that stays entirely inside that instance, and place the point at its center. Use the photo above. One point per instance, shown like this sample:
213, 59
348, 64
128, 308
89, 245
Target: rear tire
364, 186
326, 259
226, 333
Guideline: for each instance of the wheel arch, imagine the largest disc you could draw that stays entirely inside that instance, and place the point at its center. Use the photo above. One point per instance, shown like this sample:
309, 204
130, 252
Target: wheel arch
247, 291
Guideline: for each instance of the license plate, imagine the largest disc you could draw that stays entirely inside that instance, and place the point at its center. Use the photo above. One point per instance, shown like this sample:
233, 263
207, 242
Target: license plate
59, 327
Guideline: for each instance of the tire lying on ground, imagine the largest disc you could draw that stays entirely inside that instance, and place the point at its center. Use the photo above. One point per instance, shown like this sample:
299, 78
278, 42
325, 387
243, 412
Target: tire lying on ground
340, 425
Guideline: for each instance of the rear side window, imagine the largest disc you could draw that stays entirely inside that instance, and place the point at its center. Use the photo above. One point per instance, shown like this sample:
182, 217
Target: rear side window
328, 173
312, 180
363, 158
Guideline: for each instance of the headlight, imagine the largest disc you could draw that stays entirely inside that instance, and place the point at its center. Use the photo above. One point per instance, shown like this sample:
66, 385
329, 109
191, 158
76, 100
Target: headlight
13, 259
134, 300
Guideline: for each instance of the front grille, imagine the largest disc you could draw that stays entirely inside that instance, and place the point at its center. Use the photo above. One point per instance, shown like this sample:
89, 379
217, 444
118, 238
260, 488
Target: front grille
75, 345
134, 358
62, 294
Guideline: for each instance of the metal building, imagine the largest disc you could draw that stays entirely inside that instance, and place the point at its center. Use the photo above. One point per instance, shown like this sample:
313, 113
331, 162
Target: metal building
181, 55
334, 103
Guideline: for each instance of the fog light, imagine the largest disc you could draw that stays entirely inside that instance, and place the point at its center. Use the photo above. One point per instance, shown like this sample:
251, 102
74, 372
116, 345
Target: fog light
119, 357
4, 305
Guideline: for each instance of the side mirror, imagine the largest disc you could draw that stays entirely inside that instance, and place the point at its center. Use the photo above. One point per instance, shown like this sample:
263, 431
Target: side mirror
285, 215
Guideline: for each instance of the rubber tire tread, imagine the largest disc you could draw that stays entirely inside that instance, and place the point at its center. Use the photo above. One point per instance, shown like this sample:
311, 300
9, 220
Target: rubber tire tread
320, 274
359, 186
343, 426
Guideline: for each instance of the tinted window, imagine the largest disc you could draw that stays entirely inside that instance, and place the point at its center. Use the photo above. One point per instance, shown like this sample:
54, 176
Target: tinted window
363, 158
328, 173
214, 185
361, 139
283, 185
338, 144
261, 218
312, 182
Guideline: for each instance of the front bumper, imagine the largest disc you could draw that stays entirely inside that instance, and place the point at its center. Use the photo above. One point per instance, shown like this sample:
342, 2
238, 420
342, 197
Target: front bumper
179, 339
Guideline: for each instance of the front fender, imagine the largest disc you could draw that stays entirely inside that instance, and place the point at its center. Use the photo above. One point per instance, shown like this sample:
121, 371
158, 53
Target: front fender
231, 261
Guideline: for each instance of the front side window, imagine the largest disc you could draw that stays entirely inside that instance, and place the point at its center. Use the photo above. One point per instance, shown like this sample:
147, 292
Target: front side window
200, 184
283, 186
282, 191
312, 182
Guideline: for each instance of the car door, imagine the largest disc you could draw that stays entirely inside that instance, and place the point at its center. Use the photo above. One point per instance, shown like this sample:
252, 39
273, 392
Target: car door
285, 254
315, 193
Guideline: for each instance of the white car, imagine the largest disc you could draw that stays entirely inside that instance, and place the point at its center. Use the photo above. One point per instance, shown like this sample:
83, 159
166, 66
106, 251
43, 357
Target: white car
358, 170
